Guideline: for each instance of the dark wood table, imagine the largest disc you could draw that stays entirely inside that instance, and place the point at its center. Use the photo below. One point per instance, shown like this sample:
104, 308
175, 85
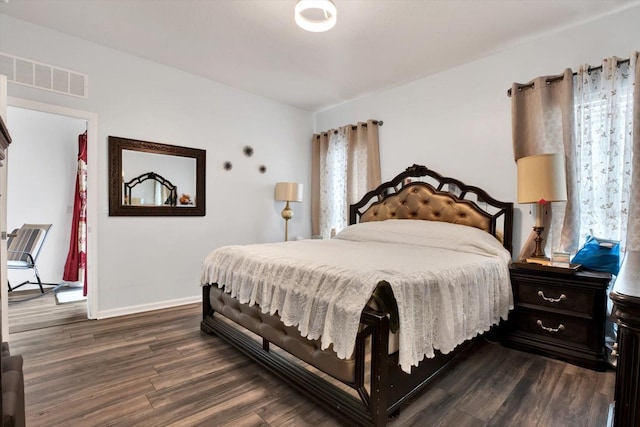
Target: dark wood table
559, 313
626, 309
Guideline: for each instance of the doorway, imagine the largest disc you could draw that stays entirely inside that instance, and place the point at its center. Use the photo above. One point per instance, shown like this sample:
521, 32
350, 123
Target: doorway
41, 174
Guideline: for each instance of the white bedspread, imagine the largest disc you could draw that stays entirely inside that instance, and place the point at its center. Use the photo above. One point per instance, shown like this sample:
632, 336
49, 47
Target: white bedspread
450, 282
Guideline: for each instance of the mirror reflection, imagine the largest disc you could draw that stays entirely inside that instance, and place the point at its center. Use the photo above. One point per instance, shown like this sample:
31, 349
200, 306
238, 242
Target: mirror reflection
152, 189
151, 179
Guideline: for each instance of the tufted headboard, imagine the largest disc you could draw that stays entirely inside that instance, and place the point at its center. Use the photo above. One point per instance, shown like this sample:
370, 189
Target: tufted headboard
435, 198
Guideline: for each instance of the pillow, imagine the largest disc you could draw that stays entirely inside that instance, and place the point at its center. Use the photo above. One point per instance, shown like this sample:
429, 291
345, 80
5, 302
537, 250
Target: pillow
438, 234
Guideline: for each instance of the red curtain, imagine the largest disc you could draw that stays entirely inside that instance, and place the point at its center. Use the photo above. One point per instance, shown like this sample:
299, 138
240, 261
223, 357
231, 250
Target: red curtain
75, 266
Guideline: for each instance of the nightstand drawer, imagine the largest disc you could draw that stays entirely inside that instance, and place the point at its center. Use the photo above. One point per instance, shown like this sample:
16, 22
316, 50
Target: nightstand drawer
563, 330
538, 293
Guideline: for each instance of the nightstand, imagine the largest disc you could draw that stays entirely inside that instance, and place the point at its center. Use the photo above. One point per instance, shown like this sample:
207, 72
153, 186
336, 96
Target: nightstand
559, 314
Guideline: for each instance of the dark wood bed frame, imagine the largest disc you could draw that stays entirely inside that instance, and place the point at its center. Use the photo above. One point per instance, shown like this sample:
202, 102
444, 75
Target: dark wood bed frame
389, 386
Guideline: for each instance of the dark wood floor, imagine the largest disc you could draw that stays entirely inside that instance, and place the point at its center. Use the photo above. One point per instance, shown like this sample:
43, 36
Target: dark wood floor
158, 369
29, 310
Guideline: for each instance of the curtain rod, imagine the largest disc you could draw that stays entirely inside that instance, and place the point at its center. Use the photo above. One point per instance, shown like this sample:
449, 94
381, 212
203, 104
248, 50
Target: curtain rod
560, 77
353, 127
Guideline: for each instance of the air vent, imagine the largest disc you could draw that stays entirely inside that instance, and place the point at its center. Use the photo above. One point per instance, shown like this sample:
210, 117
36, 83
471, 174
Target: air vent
27, 72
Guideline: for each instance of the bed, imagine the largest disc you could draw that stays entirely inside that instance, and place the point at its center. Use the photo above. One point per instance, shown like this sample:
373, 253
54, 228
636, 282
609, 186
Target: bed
369, 318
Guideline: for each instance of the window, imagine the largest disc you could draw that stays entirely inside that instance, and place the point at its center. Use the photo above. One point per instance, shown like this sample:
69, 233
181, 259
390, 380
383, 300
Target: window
345, 165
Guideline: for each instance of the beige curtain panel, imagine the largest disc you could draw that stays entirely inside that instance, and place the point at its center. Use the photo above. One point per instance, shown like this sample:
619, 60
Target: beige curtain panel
363, 160
542, 120
320, 145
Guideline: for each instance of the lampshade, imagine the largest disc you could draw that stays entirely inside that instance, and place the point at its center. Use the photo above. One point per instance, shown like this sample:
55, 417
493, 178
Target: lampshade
288, 192
306, 12
541, 178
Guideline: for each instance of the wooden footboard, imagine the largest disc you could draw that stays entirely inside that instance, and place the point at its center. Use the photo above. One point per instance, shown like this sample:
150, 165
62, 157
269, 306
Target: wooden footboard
389, 386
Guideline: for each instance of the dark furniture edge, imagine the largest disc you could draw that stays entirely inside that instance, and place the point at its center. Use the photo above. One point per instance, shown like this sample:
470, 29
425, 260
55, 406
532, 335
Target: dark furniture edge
560, 273
626, 310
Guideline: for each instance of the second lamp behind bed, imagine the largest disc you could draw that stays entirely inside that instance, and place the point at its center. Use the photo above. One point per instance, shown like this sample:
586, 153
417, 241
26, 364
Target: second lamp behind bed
288, 192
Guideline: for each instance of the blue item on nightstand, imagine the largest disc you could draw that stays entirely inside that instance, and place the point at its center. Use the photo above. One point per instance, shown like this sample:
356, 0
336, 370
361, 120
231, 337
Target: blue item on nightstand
599, 255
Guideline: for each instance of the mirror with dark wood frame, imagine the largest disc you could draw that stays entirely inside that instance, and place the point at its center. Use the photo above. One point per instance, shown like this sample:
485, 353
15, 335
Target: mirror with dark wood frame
153, 179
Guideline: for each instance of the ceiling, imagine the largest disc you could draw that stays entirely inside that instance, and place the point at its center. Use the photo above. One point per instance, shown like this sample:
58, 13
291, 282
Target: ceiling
255, 45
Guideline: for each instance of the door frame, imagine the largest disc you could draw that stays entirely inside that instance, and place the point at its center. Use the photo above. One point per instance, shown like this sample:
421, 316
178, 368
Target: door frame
4, 297
92, 194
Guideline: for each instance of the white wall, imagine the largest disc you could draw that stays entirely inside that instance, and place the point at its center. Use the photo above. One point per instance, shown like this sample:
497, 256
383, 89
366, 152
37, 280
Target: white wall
41, 186
145, 262
458, 122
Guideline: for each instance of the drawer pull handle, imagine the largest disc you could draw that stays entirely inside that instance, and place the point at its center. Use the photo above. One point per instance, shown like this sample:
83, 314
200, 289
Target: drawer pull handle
561, 298
554, 330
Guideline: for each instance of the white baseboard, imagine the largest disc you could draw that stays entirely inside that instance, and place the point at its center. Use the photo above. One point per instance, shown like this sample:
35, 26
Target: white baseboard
134, 309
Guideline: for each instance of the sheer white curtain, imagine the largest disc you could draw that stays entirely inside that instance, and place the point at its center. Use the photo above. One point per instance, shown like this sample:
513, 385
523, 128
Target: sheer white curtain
333, 184
345, 165
604, 146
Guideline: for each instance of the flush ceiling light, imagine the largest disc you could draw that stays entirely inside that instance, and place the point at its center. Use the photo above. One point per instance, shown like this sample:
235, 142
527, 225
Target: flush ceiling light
316, 15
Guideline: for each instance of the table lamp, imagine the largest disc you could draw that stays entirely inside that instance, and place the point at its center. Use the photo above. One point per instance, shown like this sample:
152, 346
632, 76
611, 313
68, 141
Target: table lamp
288, 192
541, 179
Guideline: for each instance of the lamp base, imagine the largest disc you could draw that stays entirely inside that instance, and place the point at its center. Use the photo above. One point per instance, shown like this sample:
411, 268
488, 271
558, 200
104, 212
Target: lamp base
287, 214
539, 250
